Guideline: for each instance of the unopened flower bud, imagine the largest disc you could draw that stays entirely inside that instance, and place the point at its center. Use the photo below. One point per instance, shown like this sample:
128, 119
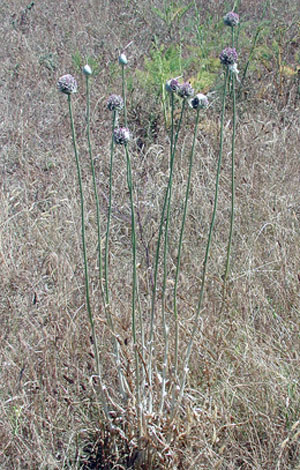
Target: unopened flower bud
228, 56
121, 135
115, 103
87, 70
123, 59
67, 84
199, 102
231, 19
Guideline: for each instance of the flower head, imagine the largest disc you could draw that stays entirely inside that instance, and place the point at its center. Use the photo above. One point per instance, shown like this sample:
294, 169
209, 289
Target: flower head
228, 56
185, 90
172, 85
67, 84
115, 103
121, 135
123, 59
231, 19
199, 102
87, 70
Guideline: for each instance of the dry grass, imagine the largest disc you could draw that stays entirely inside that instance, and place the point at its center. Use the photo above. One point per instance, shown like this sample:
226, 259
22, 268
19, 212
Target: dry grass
241, 409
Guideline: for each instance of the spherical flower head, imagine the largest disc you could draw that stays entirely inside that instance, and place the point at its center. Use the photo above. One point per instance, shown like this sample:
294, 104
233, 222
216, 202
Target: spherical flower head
228, 56
199, 102
115, 103
185, 90
67, 84
172, 85
87, 70
231, 19
123, 59
121, 135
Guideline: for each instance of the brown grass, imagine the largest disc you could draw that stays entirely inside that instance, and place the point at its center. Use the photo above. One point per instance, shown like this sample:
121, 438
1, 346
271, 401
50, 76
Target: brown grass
241, 409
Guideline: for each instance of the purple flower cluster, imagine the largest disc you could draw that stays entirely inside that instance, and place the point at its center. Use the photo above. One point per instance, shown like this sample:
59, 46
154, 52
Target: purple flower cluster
184, 90
228, 56
115, 103
67, 84
231, 19
121, 135
172, 85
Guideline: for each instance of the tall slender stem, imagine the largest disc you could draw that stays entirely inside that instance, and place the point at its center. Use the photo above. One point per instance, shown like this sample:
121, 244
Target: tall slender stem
164, 285
106, 268
104, 293
232, 186
86, 273
173, 144
124, 95
180, 244
201, 295
95, 187
134, 290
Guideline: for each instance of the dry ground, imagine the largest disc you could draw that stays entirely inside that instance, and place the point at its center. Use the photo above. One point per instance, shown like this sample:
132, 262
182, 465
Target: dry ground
243, 405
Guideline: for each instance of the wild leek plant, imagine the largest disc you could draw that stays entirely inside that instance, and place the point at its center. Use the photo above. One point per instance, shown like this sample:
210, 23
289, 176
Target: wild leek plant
68, 85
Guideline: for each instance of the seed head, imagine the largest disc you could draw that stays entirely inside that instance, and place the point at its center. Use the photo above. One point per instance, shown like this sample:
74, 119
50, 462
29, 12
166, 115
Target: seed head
87, 70
67, 84
185, 90
228, 56
172, 85
115, 103
123, 59
231, 19
199, 102
121, 135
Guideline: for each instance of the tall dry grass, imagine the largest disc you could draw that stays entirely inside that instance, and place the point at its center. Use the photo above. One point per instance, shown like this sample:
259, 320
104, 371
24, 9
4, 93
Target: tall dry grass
242, 404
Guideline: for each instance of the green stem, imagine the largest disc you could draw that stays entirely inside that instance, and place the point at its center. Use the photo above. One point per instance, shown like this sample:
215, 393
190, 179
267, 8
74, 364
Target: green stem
232, 187
106, 274
163, 300
201, 295
134, 290
160, 232
105, 294
95, 187
86, 274
180, 244
124, 95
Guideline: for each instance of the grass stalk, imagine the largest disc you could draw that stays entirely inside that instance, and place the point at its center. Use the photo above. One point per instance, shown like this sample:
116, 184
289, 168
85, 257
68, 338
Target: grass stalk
86, 274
